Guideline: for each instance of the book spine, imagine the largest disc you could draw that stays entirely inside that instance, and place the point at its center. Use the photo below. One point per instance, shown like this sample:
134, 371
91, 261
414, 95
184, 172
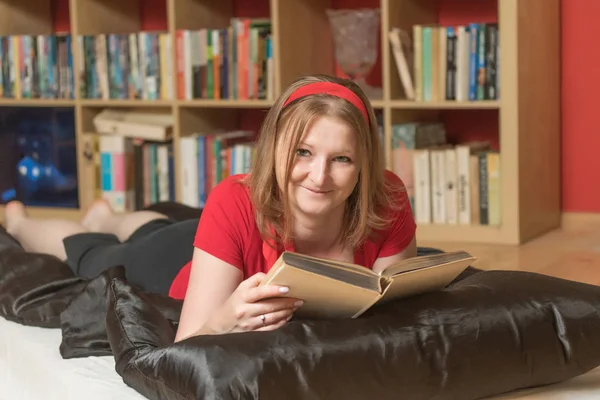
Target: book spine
451, 60
427, 67
481, 61
473, 37
492, 62
483, 189
493, 172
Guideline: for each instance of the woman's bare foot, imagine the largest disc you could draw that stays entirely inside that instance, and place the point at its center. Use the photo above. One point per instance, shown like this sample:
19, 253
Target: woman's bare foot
14, 213
98, 213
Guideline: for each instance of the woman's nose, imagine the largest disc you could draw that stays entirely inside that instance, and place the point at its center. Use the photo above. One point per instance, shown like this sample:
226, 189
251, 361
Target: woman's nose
318, 172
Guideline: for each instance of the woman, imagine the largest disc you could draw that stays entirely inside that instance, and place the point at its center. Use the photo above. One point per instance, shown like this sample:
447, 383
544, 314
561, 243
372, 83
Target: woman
318, 186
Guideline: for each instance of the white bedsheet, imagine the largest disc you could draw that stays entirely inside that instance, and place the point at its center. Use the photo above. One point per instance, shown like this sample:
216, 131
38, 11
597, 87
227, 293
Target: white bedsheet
583, 387
31, 368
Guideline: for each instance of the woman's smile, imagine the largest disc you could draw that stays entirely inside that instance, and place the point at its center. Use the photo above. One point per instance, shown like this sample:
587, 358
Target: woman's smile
316, 191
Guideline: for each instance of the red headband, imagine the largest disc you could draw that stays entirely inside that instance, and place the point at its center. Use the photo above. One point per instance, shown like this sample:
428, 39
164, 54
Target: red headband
333, 89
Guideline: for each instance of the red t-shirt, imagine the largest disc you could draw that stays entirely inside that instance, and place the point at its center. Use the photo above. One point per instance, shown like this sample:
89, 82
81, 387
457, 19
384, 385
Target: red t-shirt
228, 230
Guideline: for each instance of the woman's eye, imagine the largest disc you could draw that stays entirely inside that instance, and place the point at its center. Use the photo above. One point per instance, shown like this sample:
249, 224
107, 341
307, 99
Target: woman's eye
302, 152
343, 159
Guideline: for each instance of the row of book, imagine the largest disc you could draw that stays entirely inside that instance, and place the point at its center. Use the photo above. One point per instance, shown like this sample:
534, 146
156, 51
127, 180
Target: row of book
36, 67
229, 63
133, 173
207, 159
126, 66
441, 63
447, 183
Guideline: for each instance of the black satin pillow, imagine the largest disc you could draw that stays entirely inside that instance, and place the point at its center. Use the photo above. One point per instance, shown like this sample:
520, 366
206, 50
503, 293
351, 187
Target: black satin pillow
490, 333
83, 322
34, 288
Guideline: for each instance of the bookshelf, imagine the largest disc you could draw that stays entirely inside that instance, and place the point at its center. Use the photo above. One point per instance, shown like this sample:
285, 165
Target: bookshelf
524, 122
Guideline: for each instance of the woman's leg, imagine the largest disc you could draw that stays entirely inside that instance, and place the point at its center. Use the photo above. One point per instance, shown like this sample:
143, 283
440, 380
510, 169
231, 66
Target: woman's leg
39, 235
47, 235
101, 218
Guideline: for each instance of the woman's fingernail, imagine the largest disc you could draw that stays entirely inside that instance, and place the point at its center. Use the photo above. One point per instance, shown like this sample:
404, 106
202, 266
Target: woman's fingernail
298, 303
284, 289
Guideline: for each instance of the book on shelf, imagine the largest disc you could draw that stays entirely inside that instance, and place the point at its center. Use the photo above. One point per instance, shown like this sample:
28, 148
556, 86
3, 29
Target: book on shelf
409, 136
447, 183
36, 67
404, 57
208, 158
150, 126
135, 66
332, 289
235, 62
447, 63
130, 173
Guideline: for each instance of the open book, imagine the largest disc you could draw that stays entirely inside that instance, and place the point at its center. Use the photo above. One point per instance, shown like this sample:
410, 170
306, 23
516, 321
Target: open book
332, 289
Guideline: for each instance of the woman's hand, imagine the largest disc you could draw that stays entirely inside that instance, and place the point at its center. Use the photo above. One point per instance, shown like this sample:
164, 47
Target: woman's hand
252, 307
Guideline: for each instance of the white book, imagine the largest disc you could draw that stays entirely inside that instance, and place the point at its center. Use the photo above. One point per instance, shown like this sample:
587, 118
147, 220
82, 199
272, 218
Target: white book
422, 181
462, 63
162, 168
438, 182
451, 192
188, 151
463, 153
239, 164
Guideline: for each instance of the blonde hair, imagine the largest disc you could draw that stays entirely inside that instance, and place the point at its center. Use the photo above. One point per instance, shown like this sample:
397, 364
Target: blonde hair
285, 127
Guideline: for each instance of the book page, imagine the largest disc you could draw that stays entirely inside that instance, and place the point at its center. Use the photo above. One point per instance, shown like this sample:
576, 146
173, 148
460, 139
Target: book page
423, 280
297, 259
323, 297
422, 262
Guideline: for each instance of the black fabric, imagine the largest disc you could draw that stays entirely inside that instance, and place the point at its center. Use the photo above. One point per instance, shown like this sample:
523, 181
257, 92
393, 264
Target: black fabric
175, 211
83, 328
34, 288
7, 241
152, 257
84, 333
490, 333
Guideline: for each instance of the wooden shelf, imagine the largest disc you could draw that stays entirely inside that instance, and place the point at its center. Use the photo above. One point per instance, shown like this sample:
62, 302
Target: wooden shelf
440, 105
462, 233
225, 103
527, 117
124, 103
378, 104
7, 102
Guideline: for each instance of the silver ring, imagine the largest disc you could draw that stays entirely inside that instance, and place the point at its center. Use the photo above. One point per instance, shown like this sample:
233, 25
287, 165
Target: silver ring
262, 318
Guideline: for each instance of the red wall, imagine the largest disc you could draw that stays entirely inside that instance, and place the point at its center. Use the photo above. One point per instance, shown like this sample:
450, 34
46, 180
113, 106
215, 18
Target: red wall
60, 16
580, 85
580, 106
